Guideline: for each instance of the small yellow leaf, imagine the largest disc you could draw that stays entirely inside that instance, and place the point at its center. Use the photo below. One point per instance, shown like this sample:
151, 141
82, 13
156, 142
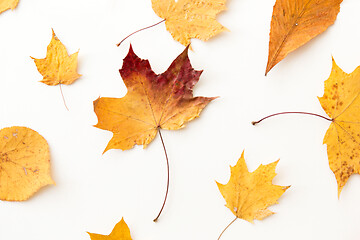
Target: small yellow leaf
58, 67
341, 103
24, 163
186, 19
248, 195
8, 4
120, 232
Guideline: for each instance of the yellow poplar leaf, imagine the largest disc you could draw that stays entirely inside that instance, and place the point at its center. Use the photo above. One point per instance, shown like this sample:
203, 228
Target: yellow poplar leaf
341, 103
58, 67
8, 4
248, 195
295, 22
24, 163
186, 19
120, 232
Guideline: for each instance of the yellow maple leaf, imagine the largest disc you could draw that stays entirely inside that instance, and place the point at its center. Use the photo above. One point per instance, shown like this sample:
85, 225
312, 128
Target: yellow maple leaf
24, 163
152, 102
295, 22
8, 4
57, 67
121, 231
186, 19
341, 103
248, 195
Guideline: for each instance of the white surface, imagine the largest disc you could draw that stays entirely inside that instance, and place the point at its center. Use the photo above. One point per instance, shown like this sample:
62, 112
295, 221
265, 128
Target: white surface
94, 191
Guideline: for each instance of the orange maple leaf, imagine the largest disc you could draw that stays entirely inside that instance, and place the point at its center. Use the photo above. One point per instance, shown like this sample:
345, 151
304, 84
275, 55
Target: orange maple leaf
295, 22
24, 163
152, 102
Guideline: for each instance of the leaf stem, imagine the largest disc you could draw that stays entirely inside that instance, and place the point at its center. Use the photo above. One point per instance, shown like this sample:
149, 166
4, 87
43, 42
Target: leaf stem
281, 113
227, 227
63, 96
168, 176
139, 31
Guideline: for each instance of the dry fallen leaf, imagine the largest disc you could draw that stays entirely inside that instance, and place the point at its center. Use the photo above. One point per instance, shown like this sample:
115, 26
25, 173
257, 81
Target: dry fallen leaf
186, 19
120, 232
58, 67
152, 102
341, 103
295, 22
248, 195
8, 4
24, 163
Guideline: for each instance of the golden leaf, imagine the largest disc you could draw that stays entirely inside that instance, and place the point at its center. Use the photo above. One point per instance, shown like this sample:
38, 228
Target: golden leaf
295, 22
58, 67
186, 19
341, 103
120, 232
248, 195
24, 163
8, 4
152, 102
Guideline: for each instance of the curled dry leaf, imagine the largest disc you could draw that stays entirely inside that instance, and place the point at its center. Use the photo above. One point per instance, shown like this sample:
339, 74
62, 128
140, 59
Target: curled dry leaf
152, 102
24, 163
248, 195
8, 4
186, 19
341, 103
121, 231
295, 22
57, 67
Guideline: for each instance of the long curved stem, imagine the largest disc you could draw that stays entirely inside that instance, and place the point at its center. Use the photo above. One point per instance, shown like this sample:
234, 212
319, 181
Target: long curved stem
63, 97
168, 176
139, 31
227, 227
281, 113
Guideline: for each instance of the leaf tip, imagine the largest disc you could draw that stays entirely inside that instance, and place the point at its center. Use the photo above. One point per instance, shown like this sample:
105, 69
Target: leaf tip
95, 102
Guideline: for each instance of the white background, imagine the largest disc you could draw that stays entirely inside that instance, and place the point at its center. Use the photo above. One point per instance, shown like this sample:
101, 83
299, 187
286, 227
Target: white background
93, 191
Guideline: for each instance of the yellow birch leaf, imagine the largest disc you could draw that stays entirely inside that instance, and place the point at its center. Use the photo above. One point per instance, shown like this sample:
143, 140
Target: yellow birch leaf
8, 4
341, 103
186, 19
248, 195
58, 67
120, 232
24, 163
